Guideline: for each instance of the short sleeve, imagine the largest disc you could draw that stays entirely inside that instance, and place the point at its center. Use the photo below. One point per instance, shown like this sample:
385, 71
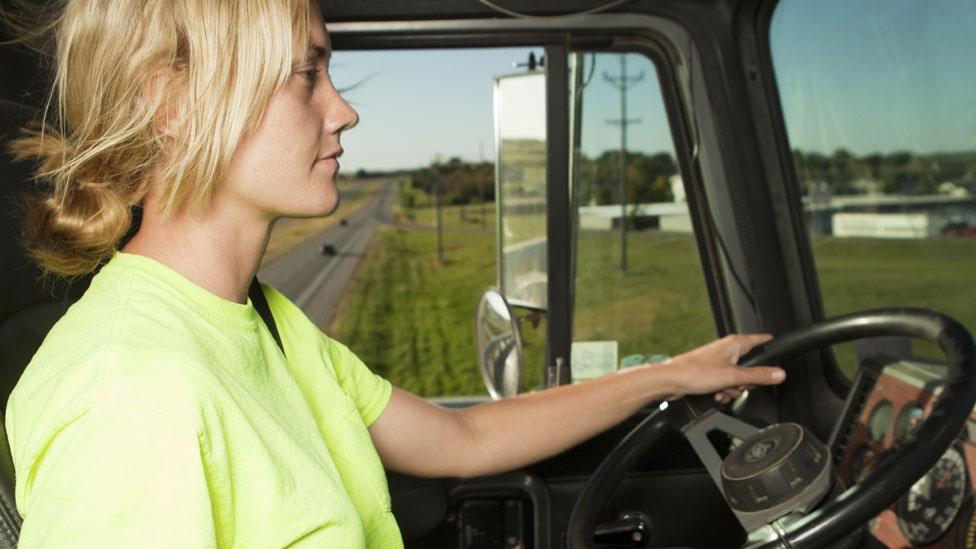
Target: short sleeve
369, 391
119, 476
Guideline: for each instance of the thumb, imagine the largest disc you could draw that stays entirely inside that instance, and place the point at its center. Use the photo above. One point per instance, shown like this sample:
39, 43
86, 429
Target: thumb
761, 375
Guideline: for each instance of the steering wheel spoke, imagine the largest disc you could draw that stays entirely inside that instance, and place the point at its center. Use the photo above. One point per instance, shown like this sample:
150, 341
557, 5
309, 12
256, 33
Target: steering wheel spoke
697, 431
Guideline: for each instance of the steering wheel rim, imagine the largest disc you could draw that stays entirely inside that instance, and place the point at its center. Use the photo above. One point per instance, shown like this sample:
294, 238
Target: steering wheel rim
861, 502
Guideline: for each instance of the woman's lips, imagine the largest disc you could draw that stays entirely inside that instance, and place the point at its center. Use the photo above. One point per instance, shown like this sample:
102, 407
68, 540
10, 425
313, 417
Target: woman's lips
328, 161
331, 159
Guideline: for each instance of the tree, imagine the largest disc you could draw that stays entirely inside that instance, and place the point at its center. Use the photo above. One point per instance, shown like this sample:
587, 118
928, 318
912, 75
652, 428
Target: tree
648, 178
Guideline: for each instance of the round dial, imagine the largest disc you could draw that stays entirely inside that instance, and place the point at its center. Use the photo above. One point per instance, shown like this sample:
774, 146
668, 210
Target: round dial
880, 420
927, 510
909, 418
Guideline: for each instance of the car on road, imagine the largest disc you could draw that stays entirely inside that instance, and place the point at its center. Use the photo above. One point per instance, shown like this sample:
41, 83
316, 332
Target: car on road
959, 230
794, 180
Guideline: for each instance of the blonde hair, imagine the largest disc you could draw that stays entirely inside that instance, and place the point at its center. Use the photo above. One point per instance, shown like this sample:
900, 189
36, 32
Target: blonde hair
102, 145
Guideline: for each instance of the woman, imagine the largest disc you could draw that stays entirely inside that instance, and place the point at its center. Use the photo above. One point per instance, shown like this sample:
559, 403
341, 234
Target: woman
160, 410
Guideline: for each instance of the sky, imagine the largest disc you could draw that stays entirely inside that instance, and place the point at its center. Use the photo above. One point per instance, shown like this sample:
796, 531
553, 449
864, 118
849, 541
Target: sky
868, 76
879, 75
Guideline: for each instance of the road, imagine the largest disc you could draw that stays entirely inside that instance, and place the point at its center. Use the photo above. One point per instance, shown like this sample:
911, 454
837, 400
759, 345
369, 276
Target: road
316, 282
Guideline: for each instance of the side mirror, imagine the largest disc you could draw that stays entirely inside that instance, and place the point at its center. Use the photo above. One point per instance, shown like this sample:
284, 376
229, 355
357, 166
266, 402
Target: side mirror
499, 345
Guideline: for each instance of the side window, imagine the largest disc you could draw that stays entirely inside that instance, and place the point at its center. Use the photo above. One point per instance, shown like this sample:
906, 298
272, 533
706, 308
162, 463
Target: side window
879, 106
639, 288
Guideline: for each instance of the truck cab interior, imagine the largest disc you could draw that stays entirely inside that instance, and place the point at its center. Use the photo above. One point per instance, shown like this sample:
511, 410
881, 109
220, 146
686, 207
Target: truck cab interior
822, 189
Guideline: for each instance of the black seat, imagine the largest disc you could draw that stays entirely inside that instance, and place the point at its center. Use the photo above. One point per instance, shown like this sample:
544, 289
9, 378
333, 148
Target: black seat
28, 306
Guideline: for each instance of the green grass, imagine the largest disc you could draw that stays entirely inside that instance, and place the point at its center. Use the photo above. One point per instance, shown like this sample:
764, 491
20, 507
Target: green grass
863, 273
858, 273
660, 305
456, 218
412, 319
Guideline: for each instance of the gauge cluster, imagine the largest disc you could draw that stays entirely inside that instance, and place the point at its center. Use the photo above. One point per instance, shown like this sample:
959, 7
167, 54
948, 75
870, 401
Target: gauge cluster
938, 510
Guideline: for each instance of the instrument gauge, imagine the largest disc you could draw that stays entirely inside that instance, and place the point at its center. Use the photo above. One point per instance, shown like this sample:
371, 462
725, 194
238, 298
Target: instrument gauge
927, 510
909, 418
880, 420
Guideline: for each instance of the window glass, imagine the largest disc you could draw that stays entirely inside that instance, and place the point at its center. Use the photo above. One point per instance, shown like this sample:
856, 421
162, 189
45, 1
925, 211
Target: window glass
639, 288
879, 99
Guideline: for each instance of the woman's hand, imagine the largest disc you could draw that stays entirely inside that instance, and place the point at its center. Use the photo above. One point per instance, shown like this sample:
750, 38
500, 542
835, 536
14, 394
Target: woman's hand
712, 368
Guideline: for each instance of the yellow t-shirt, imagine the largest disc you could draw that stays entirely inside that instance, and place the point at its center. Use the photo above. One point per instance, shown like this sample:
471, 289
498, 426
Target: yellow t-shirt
157, 414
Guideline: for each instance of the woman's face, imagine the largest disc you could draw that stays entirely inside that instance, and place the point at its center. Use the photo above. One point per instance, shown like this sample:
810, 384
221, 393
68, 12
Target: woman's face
287, 166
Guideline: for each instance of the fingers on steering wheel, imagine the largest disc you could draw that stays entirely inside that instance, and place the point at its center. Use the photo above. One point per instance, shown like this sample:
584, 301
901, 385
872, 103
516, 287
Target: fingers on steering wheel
748, 341
762, 375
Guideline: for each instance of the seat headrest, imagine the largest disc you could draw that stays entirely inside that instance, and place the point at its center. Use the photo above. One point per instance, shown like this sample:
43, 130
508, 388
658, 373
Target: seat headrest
28, 305
17, 293
20, 283
18, 276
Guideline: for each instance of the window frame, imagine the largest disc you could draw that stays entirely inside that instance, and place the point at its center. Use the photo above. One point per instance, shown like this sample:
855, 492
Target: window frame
667, 45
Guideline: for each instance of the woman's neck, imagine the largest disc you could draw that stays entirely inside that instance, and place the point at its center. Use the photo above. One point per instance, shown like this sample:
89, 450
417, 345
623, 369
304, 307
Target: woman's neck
218, 248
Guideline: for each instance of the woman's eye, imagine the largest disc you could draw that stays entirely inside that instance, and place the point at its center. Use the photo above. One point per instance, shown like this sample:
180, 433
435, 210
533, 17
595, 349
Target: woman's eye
309, 74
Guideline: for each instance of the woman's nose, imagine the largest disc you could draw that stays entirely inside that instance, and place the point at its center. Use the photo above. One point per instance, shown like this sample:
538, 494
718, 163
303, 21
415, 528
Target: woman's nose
341, 116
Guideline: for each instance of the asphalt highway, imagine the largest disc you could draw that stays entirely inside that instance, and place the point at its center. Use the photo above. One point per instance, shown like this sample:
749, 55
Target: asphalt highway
315, 281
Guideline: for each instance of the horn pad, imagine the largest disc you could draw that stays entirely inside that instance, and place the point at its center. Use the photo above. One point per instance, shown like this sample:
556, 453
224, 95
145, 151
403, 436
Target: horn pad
779, 469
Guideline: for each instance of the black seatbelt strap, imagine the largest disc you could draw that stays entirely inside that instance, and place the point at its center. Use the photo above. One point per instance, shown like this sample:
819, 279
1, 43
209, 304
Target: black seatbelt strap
261, 305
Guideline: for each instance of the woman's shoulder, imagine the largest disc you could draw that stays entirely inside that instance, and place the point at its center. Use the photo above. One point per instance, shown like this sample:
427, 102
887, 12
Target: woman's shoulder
107, 351
61, 381
106, 381
113, 319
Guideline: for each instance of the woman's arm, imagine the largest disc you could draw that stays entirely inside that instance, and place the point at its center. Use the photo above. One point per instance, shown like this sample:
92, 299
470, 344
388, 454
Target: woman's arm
417, 437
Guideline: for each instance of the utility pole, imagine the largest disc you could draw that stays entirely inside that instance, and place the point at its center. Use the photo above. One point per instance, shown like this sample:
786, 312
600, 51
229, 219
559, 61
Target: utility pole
621, 82
437, 174
481, 186
439, 187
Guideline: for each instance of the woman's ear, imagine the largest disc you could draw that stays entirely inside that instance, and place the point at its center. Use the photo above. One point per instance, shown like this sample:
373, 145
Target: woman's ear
163, 98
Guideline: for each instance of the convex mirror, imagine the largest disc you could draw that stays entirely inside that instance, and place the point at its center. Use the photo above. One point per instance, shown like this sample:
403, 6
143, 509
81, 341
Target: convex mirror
499, 345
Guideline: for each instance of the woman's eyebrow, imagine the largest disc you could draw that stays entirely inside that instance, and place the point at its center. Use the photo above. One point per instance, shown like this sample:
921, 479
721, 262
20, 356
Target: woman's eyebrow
316, 52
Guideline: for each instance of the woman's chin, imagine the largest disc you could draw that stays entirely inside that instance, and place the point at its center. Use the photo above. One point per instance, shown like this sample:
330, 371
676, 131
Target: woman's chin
326, 207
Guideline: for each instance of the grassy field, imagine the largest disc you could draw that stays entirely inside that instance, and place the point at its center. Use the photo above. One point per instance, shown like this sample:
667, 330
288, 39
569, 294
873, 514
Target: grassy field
660, 305
412, 319
862, 273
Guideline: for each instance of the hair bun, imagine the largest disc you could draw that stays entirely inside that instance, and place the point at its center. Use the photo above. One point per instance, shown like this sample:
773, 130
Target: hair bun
70, 235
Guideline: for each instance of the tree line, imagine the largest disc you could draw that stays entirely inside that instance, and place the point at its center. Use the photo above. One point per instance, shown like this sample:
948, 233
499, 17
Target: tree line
903, 172
649, 176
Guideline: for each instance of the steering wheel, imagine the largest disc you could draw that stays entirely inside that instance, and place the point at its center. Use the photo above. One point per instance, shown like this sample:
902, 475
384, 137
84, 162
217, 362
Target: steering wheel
853, 507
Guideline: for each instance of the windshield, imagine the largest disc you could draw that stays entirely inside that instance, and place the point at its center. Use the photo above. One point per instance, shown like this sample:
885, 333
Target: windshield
879, 99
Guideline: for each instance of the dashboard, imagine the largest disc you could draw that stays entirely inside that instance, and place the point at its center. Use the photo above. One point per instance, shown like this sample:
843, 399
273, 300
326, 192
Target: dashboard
938, 510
